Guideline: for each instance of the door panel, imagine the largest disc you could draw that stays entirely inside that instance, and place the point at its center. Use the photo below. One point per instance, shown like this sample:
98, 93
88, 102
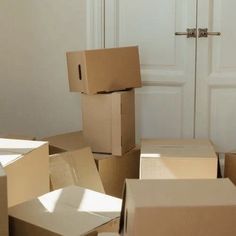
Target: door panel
155, 96
216, 74
165, 104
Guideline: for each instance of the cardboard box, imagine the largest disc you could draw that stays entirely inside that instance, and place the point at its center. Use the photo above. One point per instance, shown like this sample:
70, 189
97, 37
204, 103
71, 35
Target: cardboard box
179, 207
115, 169
230, 166
65, 142
177, 158
26, 164
104, 70
69, 211
3, 203
109, 122
75, 168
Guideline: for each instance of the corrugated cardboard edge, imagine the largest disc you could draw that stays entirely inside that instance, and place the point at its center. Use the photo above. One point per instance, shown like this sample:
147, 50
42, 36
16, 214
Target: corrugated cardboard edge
15, 223
110, 226
116, 124
122, 215
3, 198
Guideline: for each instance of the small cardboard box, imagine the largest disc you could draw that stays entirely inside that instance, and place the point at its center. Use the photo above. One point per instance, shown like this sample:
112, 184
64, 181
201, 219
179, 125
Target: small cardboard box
230, 166
65, 142
69, 211
75, 168
104, 70
177, 158
115, 169
109, 122
179, 207
26, 164
3, 203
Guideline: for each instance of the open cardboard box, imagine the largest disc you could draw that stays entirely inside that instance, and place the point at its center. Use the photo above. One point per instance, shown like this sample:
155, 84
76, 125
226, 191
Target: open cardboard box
179, 207
104, 70
177, 158
109, 122
69, 211
26, 164
3, 203
75, 168
115, 169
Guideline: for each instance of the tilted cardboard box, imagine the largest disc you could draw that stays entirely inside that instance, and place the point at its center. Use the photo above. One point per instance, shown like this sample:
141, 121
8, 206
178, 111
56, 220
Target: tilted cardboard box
115, 169
230, 166
109, 122
3, 203
179, 207
69, 211
104, 70
177, 158
26, 164
75, 168
65, 142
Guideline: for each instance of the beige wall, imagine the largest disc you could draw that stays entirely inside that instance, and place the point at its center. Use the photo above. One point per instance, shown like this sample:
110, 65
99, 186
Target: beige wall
34, 93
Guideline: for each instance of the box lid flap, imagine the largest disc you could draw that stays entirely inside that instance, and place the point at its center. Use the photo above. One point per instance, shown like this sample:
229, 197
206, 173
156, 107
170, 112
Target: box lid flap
69, 211
75, 168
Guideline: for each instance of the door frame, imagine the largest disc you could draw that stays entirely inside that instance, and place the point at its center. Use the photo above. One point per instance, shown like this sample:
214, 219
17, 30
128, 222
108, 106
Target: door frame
95, 26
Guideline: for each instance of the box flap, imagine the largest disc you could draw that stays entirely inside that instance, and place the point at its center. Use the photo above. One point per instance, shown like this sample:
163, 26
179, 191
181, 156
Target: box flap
182, 193
67, 141
69, 211
13, 149
75, 168
170, 148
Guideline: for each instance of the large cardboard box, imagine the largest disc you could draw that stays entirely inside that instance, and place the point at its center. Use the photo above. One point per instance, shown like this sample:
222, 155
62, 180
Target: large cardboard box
104, 70
26, 164
75, 168
230, 166
179, 207
69, 211
3, 203
65, 142
109, 122
177, 158
115, 169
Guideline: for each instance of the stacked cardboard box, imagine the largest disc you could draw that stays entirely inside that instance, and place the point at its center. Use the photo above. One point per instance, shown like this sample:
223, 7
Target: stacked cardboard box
106, 78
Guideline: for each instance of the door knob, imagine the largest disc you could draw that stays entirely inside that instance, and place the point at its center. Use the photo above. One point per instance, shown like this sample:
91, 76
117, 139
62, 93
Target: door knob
190, 33
203, 33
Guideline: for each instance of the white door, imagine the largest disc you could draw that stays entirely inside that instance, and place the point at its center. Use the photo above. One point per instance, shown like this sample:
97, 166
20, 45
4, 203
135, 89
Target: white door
216, 74
165, 104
